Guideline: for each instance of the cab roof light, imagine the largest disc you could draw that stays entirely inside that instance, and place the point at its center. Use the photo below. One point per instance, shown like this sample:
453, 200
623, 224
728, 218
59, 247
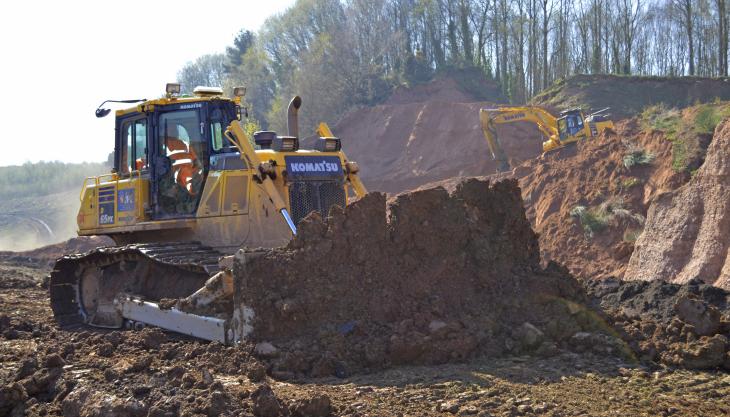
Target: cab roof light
239, 91
172, 89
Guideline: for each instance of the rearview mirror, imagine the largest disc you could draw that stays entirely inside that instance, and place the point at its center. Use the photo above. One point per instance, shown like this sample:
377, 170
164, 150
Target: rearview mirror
102, 112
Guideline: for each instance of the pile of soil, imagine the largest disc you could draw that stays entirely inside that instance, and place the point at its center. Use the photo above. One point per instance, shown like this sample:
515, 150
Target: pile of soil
684, 325
428, 133
628, 96
686, 233
441, 89
431, 277
47, 255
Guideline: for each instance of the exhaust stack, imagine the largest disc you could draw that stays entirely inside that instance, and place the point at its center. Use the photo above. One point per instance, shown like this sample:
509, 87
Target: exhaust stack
293, 117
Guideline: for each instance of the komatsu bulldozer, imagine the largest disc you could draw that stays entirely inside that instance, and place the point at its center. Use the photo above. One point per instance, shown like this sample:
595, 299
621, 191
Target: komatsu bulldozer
570, 126
188, 188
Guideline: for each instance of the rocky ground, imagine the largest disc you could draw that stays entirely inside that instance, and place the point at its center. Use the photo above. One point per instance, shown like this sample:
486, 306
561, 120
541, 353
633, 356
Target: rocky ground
45, 371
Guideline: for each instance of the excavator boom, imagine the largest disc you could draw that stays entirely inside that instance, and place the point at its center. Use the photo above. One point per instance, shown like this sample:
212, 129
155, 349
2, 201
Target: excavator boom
557, 131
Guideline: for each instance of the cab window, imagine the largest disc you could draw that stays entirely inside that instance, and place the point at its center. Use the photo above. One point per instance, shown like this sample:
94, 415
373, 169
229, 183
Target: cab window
140, 145
216, 134
181, 128
133, 146
127, 145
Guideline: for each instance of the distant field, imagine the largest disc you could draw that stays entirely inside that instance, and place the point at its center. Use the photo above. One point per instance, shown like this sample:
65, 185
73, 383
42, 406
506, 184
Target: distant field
38, 202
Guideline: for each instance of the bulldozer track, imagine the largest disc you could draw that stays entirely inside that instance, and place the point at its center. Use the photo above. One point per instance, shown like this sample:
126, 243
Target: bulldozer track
64, 282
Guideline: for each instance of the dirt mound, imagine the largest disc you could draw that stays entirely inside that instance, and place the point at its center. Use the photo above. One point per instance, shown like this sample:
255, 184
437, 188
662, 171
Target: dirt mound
431, 278
47, 255
425, 134
628, 96
447, 89
686, 233
680, 325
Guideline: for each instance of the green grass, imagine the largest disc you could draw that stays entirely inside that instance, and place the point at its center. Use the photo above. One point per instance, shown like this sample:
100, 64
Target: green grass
659, 117
679, 155
682, 132
708, 117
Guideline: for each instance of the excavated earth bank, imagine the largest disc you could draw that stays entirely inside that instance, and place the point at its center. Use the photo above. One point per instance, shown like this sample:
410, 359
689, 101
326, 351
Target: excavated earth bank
428, 133
686, 231
428, 277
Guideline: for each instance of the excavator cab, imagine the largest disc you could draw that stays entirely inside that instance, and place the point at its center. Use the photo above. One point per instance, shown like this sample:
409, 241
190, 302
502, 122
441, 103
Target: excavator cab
570, 124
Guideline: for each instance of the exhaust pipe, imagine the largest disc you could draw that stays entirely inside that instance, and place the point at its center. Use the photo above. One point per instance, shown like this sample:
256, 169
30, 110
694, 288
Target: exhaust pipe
292, 120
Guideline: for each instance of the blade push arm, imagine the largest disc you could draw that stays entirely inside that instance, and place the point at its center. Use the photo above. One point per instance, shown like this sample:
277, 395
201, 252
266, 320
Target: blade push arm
351, 168
238, 137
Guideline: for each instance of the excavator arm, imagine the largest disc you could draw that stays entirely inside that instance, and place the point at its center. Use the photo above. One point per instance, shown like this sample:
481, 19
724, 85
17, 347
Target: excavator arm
489, 118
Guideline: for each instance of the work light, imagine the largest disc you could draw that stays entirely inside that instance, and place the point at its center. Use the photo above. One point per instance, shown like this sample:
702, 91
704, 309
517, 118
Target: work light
239, 91
172, 89
285, 144
328, 145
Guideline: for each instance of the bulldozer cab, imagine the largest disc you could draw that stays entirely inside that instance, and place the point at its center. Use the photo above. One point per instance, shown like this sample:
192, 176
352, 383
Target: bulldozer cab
570, 124
170, 146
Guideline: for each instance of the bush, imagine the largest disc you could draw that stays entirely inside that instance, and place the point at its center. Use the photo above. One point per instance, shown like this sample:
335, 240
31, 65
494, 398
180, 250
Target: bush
596, 219
632, 235
630, 182
637, 157
592, 220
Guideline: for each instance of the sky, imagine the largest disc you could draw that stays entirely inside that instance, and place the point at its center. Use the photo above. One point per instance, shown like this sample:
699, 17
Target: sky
61, 59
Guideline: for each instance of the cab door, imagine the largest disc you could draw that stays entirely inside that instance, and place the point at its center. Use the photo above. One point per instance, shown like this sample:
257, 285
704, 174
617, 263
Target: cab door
122, 201
181, 162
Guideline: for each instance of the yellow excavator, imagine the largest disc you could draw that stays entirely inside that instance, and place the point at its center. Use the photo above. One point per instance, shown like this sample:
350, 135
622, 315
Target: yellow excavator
570, 126
187, 190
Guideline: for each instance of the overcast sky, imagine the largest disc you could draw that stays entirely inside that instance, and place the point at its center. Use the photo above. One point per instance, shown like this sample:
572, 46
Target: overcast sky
60, 60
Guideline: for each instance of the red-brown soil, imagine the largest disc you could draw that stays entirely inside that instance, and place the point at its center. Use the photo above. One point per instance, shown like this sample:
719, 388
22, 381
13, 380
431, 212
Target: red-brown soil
589, 174
686, 232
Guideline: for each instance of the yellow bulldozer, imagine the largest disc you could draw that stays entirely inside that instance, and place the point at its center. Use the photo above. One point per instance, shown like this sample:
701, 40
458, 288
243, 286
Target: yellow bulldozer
570, 126
188, 189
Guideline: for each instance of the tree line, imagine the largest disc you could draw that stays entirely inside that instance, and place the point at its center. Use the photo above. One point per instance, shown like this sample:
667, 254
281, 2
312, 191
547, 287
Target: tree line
44, 178
342, 54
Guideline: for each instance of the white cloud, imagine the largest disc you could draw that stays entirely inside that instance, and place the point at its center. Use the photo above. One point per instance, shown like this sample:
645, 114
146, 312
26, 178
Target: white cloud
62, 59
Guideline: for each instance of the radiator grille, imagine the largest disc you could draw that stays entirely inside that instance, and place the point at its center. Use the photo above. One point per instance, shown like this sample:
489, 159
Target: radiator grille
308, 196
